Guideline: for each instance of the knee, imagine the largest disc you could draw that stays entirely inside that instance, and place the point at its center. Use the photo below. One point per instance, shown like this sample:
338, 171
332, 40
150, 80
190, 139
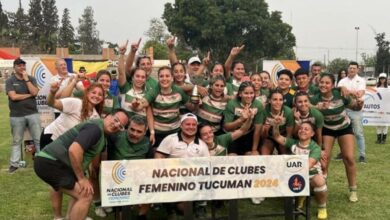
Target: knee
348, 160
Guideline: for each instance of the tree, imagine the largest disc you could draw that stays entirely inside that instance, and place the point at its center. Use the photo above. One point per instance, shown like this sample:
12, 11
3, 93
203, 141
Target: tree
368, 61
160, 50
18, 29
3, 21
157, 35
88, 35
35, 22
382, 54
157, 30
337, 64
50, 24
218, 25
66, 32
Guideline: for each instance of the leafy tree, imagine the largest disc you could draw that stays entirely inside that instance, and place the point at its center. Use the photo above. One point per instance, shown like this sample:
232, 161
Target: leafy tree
337, 64
35, 22
50, 24
88, 35
157, 30
160, 50
218, 25
382, 54
18, 29
368, 60
3, 21
66, 32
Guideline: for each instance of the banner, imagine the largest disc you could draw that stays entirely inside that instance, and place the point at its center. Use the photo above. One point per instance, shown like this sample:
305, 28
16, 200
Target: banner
376, 109
41, 69
274, 66
130, 182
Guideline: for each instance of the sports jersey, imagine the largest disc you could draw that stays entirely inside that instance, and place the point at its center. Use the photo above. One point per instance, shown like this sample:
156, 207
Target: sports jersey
221, 144
211, 111
166, 108
287, 121
234, 110
315, 117
127, 95
120, 147
335, 115
312, 150
92, 146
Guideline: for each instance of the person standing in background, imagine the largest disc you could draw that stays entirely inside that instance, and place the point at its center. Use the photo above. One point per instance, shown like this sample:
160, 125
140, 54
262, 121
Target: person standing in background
21, 90
356, 87
381, 131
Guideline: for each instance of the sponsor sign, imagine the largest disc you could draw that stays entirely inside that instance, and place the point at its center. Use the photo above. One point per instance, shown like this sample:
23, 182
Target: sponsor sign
130, 182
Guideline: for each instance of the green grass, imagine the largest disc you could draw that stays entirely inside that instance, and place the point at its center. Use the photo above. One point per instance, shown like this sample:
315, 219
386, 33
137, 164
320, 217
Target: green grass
24, 196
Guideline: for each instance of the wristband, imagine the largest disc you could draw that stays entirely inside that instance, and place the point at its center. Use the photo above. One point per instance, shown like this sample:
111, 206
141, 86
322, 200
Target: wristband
152, 132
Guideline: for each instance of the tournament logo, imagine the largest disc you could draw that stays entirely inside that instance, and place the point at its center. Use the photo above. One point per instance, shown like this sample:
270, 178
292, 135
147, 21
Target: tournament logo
275, 70
294, 165
38, 71
296, 183
118, 173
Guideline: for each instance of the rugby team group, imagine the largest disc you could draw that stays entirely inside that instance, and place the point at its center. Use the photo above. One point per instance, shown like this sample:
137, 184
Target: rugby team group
190, 110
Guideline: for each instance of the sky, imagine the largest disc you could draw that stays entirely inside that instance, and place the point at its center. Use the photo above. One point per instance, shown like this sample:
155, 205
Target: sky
324, 30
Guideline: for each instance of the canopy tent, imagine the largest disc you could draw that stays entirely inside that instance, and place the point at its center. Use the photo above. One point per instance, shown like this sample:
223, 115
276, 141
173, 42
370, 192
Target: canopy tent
6, 59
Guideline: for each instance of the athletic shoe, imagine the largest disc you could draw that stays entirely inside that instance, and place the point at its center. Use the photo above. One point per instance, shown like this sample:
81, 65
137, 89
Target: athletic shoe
353, 196
300, 202
257, 200
12, 169
339, 157
362, 159
322, 213
99, 211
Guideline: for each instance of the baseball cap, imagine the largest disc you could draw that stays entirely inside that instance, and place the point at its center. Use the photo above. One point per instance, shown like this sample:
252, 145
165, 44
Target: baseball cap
187, 116
193, 60
18, 61
82, 69
382, 75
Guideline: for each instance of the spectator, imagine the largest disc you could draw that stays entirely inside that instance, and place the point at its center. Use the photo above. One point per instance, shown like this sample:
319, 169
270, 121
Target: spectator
63, 162
114, 88
356, 87
341, 75
381, 131
21, 90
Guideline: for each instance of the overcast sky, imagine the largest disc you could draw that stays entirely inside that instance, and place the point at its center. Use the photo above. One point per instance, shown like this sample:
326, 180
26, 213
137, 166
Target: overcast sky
324, 30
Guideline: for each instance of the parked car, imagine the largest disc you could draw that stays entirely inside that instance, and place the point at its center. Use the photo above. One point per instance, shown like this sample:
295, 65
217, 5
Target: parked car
370, 81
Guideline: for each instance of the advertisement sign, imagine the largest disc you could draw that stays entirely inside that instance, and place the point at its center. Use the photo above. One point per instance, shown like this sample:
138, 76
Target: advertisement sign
130, 182
376, 109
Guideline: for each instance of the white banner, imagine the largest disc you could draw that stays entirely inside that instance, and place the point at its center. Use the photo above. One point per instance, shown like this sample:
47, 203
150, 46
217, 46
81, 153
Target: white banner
38, 69
376, 110
130, 182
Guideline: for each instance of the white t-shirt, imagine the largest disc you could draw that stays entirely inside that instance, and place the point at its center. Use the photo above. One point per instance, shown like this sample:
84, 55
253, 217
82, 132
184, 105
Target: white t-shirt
357, 83
63, 84
69, 117
175, 147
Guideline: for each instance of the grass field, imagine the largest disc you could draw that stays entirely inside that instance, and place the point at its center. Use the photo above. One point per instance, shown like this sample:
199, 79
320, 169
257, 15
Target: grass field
24, 196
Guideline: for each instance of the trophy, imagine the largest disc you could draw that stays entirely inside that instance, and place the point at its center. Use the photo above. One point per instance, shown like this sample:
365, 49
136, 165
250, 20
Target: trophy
195, 97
